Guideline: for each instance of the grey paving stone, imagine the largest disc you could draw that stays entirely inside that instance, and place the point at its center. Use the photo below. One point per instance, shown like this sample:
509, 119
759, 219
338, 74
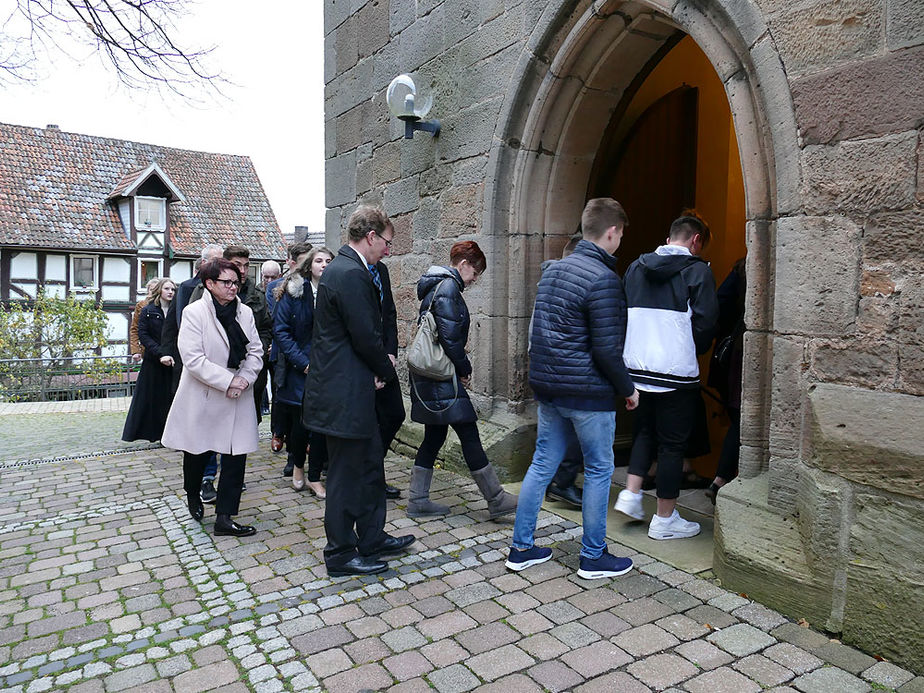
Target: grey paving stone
453, 679
829, 679
575, 634
682, 627
130, 678
641, 611
704, 654
464, 596
406, 638
487, 637
662, 670
499, 662
915, 685
645, 640
560, 612
760, 616
677, 599
722, 680
741, 639
793, 658
711, 617
765, 671
555, 676
543, 646
887, 674
805, 638
845, 657
615, 681
521, 683
595, 659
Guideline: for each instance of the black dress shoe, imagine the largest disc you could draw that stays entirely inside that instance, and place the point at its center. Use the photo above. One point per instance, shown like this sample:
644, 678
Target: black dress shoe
226, 527
391, 492
393, 545
196, 511
358, 565
287, 470
566, 494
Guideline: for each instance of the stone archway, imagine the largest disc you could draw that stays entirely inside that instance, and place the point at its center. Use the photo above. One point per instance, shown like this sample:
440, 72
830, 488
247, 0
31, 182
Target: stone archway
581, 61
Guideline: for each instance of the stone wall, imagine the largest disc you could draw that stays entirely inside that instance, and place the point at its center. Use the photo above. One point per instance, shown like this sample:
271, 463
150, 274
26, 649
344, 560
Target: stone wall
827, 101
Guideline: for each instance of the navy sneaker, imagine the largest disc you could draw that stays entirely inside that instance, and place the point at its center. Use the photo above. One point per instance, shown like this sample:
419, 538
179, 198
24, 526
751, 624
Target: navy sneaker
606, 565
518, 560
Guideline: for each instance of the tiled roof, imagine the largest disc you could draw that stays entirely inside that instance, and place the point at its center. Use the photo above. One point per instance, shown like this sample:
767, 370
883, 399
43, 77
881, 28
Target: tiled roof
54, 187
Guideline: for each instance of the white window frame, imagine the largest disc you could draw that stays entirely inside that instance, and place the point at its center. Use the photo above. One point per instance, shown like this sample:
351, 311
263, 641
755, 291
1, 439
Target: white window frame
73, 275
160, 270
162, 224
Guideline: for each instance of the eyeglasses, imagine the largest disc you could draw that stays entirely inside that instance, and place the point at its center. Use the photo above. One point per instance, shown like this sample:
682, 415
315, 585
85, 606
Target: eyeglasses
387, 242
228, 283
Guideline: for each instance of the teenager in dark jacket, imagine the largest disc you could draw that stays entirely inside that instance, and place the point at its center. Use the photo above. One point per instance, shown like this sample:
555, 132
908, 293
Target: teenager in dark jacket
348, 364
672, 318
441, 404
578, 376
293, 323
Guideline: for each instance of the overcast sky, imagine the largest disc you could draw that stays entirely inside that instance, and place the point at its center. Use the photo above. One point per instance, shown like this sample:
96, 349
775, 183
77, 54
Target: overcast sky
274, 114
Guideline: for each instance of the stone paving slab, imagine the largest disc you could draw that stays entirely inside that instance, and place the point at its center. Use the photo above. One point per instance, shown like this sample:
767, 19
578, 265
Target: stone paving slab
106, 584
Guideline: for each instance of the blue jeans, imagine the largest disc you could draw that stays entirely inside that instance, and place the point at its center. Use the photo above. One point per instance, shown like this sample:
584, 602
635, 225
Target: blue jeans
595, 431
211, 468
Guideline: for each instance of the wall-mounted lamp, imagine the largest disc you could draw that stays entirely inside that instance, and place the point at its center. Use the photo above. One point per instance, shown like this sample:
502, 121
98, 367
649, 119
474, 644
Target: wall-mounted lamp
411, 103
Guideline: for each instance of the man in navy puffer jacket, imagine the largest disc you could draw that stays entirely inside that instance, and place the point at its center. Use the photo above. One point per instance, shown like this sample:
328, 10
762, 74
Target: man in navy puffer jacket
579, 377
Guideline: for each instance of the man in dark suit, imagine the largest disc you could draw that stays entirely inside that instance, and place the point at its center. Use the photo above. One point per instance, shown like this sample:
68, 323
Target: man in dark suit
389, 405
348, 364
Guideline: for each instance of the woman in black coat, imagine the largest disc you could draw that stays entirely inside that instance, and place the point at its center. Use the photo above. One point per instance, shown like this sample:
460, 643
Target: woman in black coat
154, 387
293, 323
441, 404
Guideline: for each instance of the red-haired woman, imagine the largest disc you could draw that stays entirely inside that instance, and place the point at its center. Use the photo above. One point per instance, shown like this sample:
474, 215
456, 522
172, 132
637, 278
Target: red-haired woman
441, 404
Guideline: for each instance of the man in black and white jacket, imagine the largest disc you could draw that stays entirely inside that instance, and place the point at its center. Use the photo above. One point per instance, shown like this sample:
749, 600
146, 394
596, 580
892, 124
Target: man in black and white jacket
672, 317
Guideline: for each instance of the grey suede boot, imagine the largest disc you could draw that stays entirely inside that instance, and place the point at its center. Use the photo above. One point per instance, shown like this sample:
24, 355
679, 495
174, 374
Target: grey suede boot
419, 504
499, 501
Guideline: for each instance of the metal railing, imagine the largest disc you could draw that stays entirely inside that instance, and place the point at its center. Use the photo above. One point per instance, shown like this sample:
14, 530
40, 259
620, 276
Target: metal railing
56, 379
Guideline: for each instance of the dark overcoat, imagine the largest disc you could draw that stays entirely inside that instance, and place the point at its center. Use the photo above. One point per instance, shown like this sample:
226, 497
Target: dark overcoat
445, 403
293, 323
347, 351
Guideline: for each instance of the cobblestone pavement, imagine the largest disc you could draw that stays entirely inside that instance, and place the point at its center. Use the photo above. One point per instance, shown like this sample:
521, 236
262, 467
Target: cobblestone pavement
106, 584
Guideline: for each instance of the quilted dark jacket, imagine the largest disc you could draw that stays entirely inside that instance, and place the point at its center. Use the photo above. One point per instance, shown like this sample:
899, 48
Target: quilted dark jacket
579, 327
452, 323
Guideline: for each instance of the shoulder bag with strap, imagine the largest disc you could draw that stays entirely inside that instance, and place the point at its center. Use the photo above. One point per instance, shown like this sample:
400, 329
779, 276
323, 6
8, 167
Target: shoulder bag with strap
427, 358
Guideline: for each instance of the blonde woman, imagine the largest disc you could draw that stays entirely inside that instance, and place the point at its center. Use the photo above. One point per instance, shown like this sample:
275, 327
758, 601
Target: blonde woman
154, 387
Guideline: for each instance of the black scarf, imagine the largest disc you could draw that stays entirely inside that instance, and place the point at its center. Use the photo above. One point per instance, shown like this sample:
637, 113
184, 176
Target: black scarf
237, 340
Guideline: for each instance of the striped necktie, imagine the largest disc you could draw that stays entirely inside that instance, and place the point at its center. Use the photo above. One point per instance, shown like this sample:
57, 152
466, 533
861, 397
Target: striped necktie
377, 280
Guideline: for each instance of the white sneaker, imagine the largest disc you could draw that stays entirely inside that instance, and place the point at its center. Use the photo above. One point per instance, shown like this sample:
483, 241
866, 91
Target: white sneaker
673, 527
630, 504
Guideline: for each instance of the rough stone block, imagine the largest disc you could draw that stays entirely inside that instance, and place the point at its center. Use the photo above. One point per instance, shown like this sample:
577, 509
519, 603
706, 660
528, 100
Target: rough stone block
469, 132
814, 36
911, 373
402, 196
460, 209
821, 501
863, 362
874, 97
890, 237
335, 12
372, 27
422, 40
400, 16
762, 554
340, 180
883, 606
817, 276
904, 24
462, 19
864, 436
787, 393
351, 130
860, 177
345, 45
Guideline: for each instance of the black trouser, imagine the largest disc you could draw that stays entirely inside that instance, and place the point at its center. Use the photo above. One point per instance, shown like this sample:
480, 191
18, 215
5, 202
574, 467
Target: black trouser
663, 421
229, 483
259, 390
389, 410
435, 436
354, 512
298, 440
731, 447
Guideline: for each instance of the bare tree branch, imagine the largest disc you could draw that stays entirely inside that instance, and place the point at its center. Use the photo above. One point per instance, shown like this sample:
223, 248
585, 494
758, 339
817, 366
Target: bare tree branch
135, 37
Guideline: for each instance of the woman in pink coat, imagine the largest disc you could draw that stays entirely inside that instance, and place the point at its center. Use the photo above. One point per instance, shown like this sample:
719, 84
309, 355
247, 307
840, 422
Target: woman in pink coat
222, 356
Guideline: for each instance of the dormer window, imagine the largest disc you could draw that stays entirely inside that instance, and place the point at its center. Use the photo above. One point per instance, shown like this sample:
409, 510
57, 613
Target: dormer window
150, 213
